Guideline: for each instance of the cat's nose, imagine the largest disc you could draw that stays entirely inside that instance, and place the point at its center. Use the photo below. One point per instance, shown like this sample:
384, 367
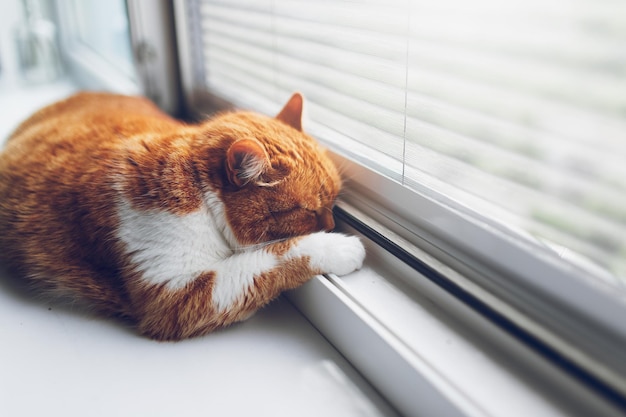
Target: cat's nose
325, 219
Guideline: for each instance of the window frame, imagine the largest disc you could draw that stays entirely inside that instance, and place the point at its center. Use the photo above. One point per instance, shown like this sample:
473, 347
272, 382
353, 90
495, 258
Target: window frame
153, 46
88, 69
572, 316
575, 316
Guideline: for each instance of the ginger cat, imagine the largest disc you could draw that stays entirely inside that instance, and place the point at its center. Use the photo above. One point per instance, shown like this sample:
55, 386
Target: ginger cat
180, 228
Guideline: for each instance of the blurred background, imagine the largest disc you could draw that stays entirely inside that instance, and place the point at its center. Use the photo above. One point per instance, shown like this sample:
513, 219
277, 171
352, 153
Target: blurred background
33, 69
50, 48
31, 33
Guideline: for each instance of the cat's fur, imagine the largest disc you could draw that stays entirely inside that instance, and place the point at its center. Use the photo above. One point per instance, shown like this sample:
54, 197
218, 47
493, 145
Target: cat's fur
180, 228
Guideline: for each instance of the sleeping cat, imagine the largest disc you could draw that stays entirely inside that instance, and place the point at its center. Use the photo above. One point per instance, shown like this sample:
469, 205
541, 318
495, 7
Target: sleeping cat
180, 228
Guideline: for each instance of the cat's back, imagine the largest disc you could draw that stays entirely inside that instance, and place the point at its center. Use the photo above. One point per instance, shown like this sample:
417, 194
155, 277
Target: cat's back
98, 114
73, 137
56, 170
83, 130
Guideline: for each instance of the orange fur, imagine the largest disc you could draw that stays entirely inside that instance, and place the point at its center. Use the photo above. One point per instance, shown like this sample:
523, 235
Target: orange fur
65, 170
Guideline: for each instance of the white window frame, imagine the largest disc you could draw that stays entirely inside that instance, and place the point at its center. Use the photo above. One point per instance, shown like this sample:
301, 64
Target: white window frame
88, 69
153, 46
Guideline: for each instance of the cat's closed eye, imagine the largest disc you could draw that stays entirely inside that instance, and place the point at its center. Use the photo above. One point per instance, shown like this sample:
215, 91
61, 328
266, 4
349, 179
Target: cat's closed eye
302, 220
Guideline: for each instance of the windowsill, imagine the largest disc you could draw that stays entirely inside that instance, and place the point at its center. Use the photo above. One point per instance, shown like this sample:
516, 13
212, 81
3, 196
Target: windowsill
441, 357
59, 361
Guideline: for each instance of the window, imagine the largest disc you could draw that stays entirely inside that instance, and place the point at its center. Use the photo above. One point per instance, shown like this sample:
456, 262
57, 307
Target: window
127, 46
514, 110
103, 28
489, 135
96, 44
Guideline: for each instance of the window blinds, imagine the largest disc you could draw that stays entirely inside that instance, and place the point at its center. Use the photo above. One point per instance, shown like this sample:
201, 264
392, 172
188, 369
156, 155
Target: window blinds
515, 109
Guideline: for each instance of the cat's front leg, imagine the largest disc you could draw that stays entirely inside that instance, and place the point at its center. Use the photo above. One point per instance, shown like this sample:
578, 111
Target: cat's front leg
239, 285
249, 280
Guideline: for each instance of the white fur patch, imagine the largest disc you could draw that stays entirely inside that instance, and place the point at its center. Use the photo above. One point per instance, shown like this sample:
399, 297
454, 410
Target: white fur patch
216, 207
235, 275
175, 249
169, 248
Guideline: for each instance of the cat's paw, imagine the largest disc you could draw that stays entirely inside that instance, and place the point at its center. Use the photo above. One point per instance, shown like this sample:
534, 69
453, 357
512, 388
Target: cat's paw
332, 252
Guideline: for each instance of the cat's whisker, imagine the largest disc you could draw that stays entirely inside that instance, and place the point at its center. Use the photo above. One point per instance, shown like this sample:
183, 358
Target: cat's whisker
342, 168
256, 246
345, 177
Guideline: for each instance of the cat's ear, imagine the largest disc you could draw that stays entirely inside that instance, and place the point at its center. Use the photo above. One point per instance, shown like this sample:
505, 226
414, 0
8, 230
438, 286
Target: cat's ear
246, 162
292, 112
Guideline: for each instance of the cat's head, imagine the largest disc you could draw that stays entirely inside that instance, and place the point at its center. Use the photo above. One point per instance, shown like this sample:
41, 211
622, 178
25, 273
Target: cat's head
278, 181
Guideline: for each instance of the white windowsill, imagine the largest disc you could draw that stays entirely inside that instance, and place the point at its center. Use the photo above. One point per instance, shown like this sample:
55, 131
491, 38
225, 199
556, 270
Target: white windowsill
55, 361
431, 355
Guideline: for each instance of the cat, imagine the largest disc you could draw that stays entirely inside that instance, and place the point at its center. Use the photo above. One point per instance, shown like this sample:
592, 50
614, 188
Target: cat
181, 229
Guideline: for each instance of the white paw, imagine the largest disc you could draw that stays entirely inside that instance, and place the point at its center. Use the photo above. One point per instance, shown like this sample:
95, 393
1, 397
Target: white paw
331, 252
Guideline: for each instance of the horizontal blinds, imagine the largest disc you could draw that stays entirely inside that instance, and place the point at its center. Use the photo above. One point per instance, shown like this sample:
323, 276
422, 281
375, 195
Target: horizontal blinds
515, 109
350, 62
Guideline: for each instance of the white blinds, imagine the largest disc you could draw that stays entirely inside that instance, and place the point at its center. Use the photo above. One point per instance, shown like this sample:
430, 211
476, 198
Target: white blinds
514, 108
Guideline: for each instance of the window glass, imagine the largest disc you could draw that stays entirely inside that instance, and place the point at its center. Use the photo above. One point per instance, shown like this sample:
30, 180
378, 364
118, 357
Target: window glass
518, 108
103, 27
514, 109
